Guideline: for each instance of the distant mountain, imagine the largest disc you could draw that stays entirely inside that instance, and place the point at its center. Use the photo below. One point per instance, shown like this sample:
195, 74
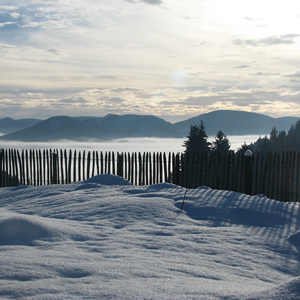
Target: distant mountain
54, 128
116, 126
84, 128
233, 122
124, 126
284, 121
8, 125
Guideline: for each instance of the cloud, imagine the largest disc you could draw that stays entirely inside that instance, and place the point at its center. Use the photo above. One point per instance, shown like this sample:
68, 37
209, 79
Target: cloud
49, 24
152, 2
7, 18
264, 74
242, 67
15, 15
125, 89
54, 51
6, 24
73, 100
294, 75
292, 87
155, 2
237, 98
269, 41
124, 100
202, 100
8, 7
200, 44
249, 19
116, 100
15, 53
39, 14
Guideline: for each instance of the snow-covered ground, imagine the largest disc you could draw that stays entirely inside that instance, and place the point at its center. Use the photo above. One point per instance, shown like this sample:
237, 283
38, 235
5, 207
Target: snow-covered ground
105, 238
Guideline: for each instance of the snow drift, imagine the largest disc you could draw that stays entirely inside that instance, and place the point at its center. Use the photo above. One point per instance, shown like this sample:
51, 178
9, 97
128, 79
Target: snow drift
106, 238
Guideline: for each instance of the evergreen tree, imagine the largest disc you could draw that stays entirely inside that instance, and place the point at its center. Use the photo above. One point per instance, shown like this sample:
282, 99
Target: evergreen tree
297, 136
282, 140
191, 144
262, 145
290, 138
197, 140
221, 143
204, 145
274, 139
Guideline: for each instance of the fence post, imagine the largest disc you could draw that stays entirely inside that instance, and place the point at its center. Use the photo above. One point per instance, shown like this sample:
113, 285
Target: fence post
1, 167
248, 172
54, 168
176, 171
120, 165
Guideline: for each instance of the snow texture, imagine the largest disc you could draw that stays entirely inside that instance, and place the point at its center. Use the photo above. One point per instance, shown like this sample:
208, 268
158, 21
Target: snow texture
105, 238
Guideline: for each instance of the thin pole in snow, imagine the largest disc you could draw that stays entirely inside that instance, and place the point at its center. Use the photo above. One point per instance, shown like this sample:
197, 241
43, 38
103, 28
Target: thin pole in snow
184, 198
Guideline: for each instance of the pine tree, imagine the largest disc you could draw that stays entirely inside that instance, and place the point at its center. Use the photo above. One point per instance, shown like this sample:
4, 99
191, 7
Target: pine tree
191, 144
282, 141
290, 138
203, 144
274, 139
297, 136
221, 143
197, 139
262, 145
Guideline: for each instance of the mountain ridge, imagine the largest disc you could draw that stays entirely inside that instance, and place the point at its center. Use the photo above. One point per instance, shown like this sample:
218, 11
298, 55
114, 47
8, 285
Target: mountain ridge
114, 126
238, 122
102, 128
8, 125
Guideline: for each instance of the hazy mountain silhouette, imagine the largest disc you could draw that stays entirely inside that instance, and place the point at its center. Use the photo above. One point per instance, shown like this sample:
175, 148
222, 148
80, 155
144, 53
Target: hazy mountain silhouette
82, 128
8, 125
54, 128
124, 126
115, 126
233, 122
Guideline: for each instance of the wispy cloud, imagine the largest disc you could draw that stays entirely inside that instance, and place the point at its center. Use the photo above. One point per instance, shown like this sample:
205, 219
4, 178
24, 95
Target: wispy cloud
155, 2
269, 41
264, 74
73, 100
294, 75
242, 67
152, 2
6, 24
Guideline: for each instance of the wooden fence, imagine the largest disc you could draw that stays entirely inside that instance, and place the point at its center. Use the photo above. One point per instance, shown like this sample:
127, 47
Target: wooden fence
276, 175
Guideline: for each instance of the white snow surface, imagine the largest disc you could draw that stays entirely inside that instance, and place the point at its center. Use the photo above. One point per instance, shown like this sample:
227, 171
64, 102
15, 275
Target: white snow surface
104, 238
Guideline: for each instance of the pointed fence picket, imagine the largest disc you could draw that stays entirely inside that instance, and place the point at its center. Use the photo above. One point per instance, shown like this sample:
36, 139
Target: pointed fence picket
276, 175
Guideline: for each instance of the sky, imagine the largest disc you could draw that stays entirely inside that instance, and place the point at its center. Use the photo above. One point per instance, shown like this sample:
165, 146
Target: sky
105, 238
170, 58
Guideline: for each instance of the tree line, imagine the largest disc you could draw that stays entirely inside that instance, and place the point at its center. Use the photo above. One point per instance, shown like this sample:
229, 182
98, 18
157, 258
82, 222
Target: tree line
197, 141
276, 141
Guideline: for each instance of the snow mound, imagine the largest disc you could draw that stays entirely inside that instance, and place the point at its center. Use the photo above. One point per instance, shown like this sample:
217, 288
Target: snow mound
162, 186
289, 291
108, 179
227, 208
21, 231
